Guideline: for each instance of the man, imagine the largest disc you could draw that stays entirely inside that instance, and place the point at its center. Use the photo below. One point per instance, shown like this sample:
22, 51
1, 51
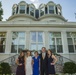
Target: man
43, 62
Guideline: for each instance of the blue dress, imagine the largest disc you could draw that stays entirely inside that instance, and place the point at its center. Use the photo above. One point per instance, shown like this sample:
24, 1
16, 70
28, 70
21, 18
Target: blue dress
36, 65
51, 68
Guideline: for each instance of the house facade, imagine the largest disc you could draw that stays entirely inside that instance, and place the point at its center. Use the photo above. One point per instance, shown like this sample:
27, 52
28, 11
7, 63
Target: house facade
31, 28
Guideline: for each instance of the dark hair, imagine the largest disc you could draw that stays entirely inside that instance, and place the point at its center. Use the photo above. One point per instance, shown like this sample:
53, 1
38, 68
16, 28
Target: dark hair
36, 52
21, 54
44, 48
50, 51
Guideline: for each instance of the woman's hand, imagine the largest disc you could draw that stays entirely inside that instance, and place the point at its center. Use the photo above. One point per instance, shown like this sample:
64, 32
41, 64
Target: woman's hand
20, 64
52, 63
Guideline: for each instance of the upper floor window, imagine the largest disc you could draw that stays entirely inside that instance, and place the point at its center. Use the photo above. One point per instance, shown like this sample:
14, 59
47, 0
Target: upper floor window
18, 42
41, 11
59, 11
22, 9
32, 11
71, 38
51, 9
55, 41
2, 42
13, 12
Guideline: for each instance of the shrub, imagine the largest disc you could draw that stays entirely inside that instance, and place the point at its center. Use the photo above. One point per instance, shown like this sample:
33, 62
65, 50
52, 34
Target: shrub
0, 69
6, 69
69, 67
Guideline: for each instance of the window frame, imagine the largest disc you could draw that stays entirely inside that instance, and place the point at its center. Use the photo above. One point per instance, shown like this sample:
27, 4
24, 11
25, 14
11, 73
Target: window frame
37, 39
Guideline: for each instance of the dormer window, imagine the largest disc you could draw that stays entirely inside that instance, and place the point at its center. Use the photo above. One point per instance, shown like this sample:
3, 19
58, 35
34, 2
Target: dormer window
41, 11
22, 9
31, 11
51, 9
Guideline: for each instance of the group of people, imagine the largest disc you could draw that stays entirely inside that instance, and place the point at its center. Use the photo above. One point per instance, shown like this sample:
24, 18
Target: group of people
39, 64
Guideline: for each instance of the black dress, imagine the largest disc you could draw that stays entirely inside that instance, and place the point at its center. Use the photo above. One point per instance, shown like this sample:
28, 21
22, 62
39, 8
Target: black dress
51, 69
20, 69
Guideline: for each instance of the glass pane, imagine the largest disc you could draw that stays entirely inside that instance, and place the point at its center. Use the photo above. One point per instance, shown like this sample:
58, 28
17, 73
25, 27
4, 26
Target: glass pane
40, 46
33, 46
21, 34
32, 9
53, 48
2, 48
41, 11
71, 48
22, 7
21, 41
58, 41
40, 36
75, 47
71, 34
70, 42
2, 34
59, 49
33, 36
14, 49
15, 41
14, 34
55, 34
51, 9
21, 47
74, 41
2, 41
52, 41
74, 34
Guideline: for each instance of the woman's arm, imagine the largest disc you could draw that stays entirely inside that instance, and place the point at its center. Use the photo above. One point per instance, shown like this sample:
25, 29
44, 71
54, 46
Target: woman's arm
55, 59
17, 61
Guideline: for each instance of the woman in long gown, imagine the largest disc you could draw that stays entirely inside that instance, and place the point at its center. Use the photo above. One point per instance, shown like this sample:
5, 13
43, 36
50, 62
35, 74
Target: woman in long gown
36, 63
51, 62
28, 63
20, 62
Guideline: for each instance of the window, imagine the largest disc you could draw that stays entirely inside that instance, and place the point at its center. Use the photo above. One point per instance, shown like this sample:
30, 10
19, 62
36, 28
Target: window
37, 41
51, 9
46, 10
22, 9
13, 12
18, 42
32, 11
55, 42
2, 42
59, 11
41, 11
71, 38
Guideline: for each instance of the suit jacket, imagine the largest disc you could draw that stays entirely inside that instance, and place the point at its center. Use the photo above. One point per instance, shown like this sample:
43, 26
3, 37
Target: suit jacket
43, 63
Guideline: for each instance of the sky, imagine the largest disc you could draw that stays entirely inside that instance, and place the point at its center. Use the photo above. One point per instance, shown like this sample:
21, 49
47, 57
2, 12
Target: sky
68, 7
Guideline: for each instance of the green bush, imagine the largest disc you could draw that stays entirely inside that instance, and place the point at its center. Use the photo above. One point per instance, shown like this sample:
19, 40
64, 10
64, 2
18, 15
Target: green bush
6, 69
0, 69
69, 67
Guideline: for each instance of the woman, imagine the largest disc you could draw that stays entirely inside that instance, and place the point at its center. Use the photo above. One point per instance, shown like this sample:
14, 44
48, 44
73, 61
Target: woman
36, 63
20, 62
28, 63
51, 62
